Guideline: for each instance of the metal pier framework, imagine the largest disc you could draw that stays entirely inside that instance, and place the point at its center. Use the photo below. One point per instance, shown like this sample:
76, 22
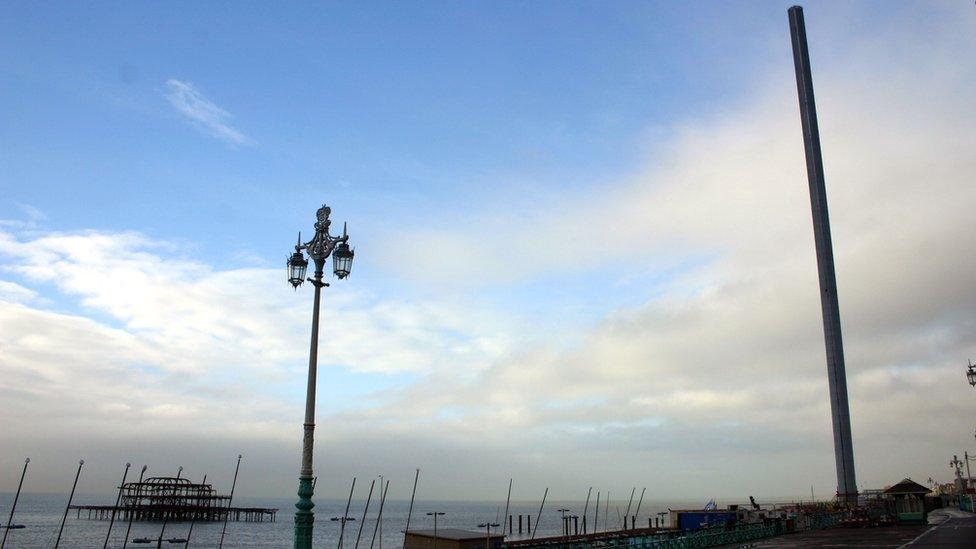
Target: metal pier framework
173, 499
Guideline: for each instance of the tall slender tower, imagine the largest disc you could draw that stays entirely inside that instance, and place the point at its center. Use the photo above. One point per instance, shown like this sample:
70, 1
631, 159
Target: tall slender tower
836, 374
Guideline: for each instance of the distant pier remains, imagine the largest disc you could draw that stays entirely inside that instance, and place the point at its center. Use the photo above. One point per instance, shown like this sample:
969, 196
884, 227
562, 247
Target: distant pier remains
173, 499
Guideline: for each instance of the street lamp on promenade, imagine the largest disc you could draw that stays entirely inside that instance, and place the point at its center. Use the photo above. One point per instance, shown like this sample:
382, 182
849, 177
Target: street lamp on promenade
971, 374
435, 514
319, 248
562, 515
342, 525
488, 526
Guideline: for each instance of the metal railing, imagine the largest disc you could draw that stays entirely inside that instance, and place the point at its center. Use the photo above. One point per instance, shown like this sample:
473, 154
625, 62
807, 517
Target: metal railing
705, 537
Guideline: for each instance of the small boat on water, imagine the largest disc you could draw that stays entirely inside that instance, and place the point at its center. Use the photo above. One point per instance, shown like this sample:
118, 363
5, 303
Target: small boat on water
142, 540
14, 526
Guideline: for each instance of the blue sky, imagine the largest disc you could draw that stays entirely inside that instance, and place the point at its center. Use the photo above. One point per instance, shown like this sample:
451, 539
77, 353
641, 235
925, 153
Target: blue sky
403, 110
552, 192
401, 116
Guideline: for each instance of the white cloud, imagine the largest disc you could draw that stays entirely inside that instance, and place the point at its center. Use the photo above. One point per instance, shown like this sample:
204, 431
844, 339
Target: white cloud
167, 347
190, 102
10, 291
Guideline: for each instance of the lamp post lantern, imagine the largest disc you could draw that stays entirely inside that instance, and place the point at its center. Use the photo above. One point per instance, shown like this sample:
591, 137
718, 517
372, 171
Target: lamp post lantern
319, 248
971, 374
488, 526
342, 525
562, 515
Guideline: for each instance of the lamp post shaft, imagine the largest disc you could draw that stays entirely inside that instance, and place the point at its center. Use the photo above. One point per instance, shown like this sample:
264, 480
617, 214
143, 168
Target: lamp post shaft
968, 474
304, 517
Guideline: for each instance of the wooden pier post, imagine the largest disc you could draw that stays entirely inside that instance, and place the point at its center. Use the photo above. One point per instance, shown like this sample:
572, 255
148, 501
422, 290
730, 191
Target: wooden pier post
586, 507
71, 497
118, 499
365, 510
538, 518
131, 512
596, 520
10, 519
508, 500
230, 500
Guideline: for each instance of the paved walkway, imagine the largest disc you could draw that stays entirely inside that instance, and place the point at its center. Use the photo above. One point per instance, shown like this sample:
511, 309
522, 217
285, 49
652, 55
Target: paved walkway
947, 528
952, 529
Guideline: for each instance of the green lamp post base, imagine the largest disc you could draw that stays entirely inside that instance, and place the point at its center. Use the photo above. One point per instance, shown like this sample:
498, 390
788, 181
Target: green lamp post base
304, 518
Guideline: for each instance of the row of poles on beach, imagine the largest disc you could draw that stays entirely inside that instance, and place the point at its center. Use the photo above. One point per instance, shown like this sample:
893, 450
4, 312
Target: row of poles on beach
571, 523
186, 541
377, 527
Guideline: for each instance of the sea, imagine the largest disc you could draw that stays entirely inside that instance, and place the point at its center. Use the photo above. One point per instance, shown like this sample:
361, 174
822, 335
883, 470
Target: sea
41, 516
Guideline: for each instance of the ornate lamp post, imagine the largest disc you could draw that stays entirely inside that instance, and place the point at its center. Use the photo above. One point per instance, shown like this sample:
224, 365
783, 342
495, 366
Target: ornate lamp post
971, 374
319, 249
957, 465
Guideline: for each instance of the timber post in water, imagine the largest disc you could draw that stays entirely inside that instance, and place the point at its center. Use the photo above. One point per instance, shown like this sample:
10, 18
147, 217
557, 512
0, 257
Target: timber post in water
10, 520
836, 374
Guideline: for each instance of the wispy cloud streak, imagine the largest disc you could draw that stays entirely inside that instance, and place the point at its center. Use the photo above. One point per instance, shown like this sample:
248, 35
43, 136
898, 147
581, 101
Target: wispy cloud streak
188, 100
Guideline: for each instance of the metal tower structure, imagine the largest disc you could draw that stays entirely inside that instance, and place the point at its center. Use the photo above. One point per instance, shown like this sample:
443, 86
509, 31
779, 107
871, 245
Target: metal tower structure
836, 374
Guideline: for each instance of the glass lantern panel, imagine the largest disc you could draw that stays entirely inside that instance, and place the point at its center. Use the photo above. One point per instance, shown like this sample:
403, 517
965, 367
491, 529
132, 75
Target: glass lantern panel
297, 271
342, 264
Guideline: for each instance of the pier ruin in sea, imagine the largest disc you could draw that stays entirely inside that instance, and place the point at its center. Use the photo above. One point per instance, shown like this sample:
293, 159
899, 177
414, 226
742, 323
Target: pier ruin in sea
172, 499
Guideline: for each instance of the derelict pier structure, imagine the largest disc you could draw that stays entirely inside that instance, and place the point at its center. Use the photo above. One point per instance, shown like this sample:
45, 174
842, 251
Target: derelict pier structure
174, 499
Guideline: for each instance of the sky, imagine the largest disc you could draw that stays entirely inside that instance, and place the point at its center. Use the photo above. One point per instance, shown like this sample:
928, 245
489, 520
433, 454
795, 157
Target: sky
584, 254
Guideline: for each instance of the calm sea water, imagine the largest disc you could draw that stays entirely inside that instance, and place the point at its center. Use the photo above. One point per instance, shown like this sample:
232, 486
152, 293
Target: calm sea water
41, 515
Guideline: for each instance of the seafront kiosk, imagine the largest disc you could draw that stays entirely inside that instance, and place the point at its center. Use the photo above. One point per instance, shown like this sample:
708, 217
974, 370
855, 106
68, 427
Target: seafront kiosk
909, 498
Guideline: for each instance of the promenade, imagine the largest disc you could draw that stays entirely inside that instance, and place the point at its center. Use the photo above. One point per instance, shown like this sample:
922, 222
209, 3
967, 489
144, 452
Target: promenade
946, 528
